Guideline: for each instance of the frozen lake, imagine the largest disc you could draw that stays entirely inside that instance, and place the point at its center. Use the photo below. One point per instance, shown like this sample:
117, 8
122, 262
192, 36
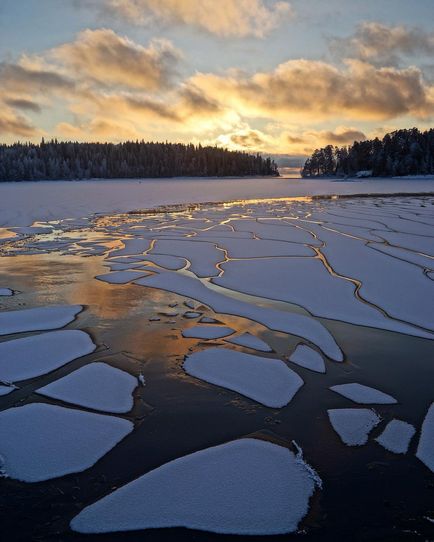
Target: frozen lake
252, 368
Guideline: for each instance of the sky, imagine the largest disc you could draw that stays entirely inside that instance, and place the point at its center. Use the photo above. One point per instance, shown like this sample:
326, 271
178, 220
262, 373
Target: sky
279, 77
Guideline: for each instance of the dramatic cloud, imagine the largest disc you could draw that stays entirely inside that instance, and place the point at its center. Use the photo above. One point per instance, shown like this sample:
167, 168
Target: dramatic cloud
104, 56
237, 18
307, 88
384, 45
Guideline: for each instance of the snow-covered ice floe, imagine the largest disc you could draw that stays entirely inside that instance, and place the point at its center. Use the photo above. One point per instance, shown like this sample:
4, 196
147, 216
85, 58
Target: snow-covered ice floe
6, 292
40, 441
353, 425
297, 324
38, 319
97, 385
250, 341
36, 355
207, 332
396, 436
122, 277
267, 381
425, 449
308, 358
5, 390
244, 487
363, 395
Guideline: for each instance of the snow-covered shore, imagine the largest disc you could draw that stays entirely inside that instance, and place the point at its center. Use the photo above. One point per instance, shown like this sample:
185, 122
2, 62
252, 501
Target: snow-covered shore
22, 203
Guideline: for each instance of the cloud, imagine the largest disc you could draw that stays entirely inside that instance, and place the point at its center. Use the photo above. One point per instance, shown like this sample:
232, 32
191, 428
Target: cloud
19, 78
310, 140
319, 90
228, 18
252, 139
384, 45
22, 103
109, 59
16, 125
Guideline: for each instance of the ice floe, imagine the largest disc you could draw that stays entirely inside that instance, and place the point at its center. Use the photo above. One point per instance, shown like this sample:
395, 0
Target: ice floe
396, 436
307, 282
363, 395
267, 381
286, 322
36, 355
122, 277
5, 390
207, 320
40, 441
425, 449
6, 292
308, 358
244, 487
203, 256
97, 385
131, 247
192, 314
353, 425
207, 332
250, 341
37, 319
260, 248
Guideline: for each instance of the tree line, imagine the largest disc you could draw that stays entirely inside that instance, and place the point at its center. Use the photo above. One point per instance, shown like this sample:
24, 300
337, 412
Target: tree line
139, 159
403, 152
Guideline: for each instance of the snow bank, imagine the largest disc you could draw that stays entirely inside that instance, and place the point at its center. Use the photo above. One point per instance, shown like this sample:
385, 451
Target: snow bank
267, 381
39, 441
36, 355
244, 487
97, 385
37, 319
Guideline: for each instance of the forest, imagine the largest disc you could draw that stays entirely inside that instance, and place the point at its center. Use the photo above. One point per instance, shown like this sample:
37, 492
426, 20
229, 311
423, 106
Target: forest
403, 152
72, 160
